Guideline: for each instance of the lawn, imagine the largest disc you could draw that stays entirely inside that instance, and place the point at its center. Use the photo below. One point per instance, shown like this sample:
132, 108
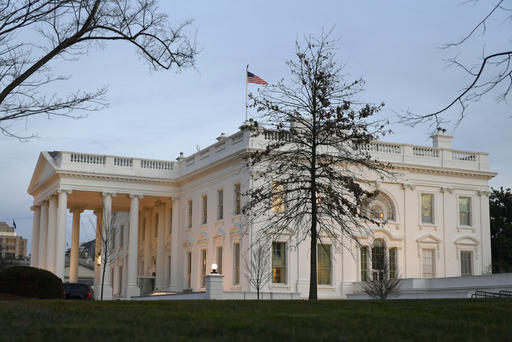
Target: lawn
58, 320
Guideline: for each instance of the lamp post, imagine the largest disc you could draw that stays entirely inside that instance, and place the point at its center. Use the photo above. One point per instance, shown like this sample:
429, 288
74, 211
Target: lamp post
214, 269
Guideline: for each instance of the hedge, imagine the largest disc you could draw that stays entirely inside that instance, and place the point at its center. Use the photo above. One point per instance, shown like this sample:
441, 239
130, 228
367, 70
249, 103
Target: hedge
30, 282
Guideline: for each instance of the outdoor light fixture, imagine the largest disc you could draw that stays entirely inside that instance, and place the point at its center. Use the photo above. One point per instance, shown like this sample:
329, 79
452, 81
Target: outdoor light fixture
214, 268
98, 259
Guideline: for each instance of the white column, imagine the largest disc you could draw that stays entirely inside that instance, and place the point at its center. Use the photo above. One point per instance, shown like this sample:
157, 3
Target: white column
60, 246
107, 218
132, 288
174, 245
147, 241
160, 252
43, 233
50, 238
75, 245
34, 245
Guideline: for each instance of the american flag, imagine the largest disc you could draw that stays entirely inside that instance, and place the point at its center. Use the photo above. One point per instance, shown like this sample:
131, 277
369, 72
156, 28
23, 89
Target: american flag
251, 78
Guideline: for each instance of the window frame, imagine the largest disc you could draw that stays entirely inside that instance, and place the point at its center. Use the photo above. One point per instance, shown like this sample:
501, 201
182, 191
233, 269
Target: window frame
471, 262
220, 204
190, 213
284, 259
189, 269
470, 213
204, 209
433, 208
204, 266
330, 264
218, 258
236, 263
433, 265
237, 199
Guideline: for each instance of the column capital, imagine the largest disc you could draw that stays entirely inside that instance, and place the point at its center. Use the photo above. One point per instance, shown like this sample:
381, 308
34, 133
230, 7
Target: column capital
139, 196
408, 185
483, 193
446, 189
35, 207
67, 191
111, 194
74, 209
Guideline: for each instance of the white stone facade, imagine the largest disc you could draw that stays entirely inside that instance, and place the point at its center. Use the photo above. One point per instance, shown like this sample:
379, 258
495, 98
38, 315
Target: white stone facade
166, 233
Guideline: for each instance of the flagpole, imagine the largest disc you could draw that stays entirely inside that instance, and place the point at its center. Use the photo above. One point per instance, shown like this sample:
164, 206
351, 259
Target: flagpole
246, 92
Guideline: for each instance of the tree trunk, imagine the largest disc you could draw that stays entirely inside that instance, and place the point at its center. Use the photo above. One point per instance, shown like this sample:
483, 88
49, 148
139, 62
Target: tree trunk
313, 279
104, 262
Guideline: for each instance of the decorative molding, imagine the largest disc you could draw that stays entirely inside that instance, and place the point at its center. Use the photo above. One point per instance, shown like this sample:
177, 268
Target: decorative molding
408, 185
447, 189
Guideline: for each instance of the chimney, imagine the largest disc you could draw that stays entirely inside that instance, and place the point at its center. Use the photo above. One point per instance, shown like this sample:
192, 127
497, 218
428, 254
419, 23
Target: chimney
441, 140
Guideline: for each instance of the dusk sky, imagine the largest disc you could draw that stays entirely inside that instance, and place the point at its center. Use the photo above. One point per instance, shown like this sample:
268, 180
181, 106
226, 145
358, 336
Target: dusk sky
393, 45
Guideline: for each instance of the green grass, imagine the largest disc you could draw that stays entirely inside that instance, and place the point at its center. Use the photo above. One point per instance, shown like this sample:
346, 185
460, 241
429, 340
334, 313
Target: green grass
446, 320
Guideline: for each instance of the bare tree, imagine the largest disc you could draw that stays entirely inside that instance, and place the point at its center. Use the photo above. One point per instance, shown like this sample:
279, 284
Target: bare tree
67, 30
492, 73
258, 268
107, 237
385, 283
309, 178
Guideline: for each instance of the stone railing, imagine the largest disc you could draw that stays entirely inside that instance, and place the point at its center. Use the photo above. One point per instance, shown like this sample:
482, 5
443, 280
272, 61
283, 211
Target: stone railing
95, 163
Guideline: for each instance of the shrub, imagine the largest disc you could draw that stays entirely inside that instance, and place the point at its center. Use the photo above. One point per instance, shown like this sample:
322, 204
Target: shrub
31, 282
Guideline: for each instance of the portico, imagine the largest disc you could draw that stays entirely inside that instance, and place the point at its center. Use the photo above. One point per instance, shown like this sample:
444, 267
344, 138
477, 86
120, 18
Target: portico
143, 223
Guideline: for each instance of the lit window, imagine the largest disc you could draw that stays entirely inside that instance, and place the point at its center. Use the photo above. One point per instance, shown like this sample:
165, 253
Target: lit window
324, 264
203, 267
466, 263
220, 204
238, 207
277, 197
236, 263
219, 260
279, 262
428, 261
205, 209
465, 211
427, 208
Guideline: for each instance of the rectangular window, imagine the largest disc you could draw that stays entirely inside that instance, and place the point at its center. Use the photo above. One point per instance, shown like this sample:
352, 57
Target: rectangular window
189, 270
205, 209
392, 263
219, 260
189, 221
428, 263
203, 267
427, 208
465, 211
279, 262
121, 238
466, 263
220, 204
324, 264
277, 197
364, 263
236, 263
113, 238
238, 207
143, 229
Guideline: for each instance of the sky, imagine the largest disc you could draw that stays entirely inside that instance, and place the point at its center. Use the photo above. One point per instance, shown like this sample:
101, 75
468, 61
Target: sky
393, 45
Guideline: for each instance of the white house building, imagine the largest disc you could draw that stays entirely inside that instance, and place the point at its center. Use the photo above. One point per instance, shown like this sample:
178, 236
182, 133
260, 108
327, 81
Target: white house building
179, 217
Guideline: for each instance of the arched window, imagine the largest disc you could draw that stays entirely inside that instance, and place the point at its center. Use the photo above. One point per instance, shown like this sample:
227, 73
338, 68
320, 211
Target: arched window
381, 208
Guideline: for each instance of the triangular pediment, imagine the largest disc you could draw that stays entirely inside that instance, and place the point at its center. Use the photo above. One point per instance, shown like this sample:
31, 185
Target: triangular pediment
428, 238
45, 168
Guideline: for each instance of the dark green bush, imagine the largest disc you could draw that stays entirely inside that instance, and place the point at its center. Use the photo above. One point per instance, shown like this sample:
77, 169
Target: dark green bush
31, 282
